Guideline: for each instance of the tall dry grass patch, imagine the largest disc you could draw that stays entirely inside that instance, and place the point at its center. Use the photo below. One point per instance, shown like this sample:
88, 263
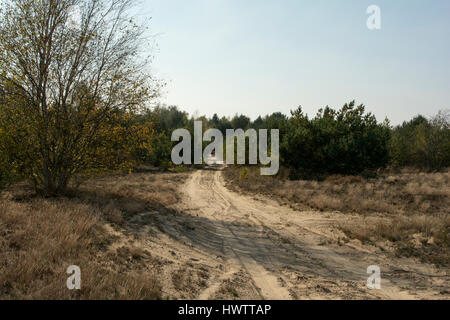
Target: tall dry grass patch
40, 238
401, 193
408, 208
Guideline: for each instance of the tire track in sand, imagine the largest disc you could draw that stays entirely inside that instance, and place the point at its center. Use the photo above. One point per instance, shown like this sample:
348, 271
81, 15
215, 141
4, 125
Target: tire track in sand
240, 251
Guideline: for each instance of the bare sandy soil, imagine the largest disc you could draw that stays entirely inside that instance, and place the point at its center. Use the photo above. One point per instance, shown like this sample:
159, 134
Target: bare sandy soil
219, 244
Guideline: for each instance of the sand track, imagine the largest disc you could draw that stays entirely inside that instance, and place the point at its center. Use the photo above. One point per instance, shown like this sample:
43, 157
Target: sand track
218, 244
282, 252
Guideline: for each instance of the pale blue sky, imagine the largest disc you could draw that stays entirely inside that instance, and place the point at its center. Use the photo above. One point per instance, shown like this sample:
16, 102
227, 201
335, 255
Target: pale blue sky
260, 56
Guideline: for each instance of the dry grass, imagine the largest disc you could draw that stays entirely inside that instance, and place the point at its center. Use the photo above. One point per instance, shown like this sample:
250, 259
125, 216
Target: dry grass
409, 209
407, 193
423, 236
190, 281
127, 195
40, 238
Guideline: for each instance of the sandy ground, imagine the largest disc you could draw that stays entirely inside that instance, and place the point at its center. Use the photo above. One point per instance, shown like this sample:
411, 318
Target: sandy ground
218, 244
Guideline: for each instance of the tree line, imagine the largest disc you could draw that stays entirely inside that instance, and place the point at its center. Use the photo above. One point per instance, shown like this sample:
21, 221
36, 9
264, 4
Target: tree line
344, 141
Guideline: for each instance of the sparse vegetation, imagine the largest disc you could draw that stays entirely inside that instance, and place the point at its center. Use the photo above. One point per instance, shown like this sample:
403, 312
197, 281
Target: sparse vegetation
408, 208
405, 193
41, 237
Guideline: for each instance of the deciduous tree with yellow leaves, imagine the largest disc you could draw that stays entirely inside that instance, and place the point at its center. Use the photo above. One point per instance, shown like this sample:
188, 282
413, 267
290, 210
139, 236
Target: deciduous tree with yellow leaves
67, 90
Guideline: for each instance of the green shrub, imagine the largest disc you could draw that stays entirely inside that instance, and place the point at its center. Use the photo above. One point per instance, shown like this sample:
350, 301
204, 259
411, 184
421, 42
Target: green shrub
161, 149
422, 143
347, 141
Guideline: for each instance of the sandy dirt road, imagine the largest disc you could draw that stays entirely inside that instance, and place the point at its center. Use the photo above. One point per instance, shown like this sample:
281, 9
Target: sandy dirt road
253, 248
284, 252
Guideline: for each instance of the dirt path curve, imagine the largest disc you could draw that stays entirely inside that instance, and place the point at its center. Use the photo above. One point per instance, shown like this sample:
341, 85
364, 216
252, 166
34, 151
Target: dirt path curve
285, 254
